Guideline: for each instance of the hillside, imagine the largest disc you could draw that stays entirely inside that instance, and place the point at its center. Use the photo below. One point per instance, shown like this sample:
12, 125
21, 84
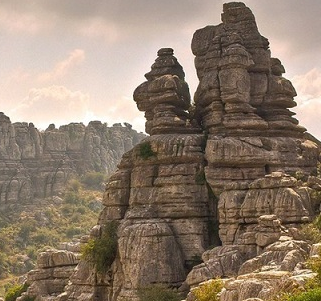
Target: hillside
47, 222
49, 181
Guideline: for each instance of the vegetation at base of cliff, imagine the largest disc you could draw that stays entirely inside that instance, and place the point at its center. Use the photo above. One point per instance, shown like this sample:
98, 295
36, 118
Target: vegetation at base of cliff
93, 180
157, 292
145, 150
16, 291
208, 291
102, 251
313, 294
42, 224
312, 231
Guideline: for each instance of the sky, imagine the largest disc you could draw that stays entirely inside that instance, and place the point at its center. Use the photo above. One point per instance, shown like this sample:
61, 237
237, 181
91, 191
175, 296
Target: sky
68, 61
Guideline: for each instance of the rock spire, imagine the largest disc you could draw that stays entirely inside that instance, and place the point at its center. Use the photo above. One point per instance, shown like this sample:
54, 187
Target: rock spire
165, 97
228, 173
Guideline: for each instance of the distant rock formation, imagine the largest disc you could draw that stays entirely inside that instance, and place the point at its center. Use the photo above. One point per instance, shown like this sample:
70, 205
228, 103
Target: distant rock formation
36, 164
227, 173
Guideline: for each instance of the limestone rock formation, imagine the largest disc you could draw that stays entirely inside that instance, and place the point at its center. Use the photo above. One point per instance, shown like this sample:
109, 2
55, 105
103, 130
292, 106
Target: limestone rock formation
159, 193
236, 172
165, 97
37, 164
54, 268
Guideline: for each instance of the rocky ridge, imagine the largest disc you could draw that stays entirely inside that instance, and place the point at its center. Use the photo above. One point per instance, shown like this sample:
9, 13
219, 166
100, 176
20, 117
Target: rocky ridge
216, 190
38, 164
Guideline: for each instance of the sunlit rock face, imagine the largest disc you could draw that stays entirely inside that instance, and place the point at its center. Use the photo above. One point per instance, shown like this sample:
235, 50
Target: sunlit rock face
38, 164
222, 173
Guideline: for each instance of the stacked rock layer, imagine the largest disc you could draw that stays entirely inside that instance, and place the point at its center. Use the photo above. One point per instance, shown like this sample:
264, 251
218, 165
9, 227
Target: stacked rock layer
242, 102
38, 164
223, 173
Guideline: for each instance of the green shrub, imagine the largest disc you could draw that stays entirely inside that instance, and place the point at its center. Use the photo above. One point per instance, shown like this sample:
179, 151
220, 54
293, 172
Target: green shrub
45, 236
74, 185
157, 292
317, 221
102, 251
145, 150
26, 227
72, 197
93, 179
310, 295
315, 265
15, 291
311, 233
32, 252
72, 231
208, 291
4, 265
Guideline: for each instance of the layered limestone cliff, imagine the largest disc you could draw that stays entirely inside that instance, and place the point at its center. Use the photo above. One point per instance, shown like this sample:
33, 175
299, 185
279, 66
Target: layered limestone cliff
38, 164
234, 172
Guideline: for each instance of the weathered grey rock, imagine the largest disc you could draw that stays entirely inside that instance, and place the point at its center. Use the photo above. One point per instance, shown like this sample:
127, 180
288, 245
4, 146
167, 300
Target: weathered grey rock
38, 164
218, 262
54, 269
268, 230
259, 285
165, 97
226, 167
56, 258
282, 256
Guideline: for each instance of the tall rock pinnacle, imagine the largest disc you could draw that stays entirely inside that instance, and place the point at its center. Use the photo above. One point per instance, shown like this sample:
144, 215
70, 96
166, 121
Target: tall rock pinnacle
165, 97
223, 176
241, 91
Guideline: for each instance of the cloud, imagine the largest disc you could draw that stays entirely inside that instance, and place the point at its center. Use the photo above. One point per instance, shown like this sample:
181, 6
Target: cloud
16, 21
290, 20
308, 85
309, 114
17, 83
123, 109
75, 58
58, 101
308, 111
62, 68
112, 18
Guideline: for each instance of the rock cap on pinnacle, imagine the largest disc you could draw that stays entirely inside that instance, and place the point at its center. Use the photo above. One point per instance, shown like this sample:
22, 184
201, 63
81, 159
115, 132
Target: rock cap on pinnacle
165, 51
166, 63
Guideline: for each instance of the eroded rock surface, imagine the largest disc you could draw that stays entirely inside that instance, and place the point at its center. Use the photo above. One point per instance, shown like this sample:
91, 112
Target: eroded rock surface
54, 268
235, 172
37, 164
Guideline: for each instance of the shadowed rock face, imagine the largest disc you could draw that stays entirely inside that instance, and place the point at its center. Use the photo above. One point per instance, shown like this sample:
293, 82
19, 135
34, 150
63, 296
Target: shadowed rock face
37, 164
224, 167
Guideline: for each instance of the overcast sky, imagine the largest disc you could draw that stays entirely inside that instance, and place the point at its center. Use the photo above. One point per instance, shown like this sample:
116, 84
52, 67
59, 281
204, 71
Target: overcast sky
79, 60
